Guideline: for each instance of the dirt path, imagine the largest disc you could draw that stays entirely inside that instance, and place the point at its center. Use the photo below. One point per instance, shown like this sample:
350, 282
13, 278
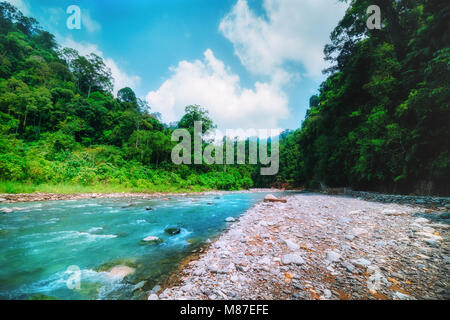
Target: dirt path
324, 247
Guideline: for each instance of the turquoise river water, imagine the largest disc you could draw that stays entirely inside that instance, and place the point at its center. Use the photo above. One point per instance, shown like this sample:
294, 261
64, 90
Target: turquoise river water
44, 245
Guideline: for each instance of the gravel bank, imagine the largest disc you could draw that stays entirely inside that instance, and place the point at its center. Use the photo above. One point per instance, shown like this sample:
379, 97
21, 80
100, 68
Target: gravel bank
324, 247
41, 196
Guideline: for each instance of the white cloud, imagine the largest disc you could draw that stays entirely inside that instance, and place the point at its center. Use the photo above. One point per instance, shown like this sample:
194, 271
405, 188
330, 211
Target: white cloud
294, 31
291, 31
21, 5
90, 24
213, 86
121, 78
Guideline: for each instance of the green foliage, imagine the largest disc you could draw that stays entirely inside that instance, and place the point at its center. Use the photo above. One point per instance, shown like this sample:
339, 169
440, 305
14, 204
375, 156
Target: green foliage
380, 121
62, 128
382, 118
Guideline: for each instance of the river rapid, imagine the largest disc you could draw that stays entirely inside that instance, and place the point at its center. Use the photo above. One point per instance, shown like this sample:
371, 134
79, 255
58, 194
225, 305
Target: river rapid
46, 247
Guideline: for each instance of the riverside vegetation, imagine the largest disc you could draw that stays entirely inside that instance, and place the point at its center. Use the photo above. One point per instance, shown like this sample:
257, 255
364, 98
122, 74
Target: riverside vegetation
381, 120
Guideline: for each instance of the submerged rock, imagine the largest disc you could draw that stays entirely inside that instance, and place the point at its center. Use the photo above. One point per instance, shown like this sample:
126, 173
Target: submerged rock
139, 285
444, 216
230, 219
120, 272
155, 289
128, 205
172, 231
40, 296
6, 210
129, 262
148, 208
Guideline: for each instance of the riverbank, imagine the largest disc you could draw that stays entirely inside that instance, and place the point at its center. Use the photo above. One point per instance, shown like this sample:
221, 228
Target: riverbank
13, 187
324, 247
45, 196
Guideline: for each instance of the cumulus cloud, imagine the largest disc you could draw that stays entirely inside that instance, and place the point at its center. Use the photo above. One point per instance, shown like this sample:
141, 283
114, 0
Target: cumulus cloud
291, 31
121, 78
212, 85
90, 24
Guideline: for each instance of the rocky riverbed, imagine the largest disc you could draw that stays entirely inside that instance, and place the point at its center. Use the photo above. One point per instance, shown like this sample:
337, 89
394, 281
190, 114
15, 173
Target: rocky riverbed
318, 246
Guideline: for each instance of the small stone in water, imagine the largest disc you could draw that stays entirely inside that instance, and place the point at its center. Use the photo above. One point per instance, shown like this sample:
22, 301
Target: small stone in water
152, 240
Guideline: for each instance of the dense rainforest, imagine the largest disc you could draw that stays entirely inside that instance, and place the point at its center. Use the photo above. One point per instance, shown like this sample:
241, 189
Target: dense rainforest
380, 121
61, 128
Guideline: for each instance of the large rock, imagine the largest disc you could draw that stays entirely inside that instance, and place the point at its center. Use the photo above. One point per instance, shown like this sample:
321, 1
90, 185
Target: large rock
153, 296
151, 240
291, 245
358, 232
421, 220
402, 296
292, 258
392, 212
433, 243
172, 231
120, 272
272, 198
361, 262
347, 265
333, 256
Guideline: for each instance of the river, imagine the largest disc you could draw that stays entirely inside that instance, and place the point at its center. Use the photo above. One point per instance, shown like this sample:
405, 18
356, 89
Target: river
44, 246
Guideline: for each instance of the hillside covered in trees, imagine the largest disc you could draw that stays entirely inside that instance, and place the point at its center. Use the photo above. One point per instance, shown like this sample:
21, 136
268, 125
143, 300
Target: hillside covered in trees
62, 128
381, 119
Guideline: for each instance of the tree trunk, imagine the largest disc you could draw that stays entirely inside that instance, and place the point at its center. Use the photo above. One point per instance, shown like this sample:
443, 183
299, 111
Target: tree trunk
25, 121
137, 134
39, 127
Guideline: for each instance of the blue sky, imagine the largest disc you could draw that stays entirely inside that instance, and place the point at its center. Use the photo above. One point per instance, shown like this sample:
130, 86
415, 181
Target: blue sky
252, 64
